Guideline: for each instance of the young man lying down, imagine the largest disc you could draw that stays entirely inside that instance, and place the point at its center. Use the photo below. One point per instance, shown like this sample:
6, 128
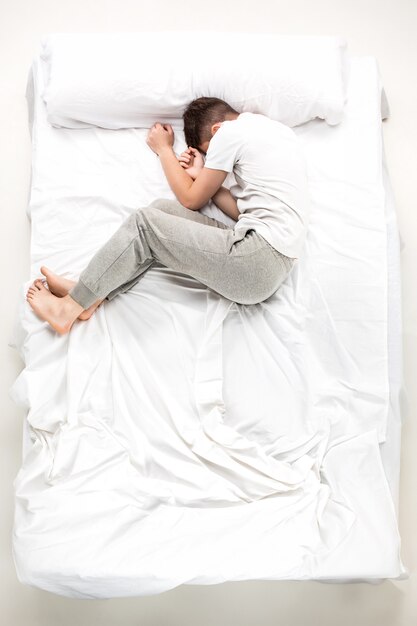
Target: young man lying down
245, 263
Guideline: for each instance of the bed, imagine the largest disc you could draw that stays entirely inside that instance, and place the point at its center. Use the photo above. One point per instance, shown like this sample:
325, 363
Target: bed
157, 449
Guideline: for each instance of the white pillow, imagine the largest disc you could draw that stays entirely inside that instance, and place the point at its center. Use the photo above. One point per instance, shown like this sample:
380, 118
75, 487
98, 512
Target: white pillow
131, 80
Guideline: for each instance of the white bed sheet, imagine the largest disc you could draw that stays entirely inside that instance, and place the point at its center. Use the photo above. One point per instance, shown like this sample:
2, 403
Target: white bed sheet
177, 437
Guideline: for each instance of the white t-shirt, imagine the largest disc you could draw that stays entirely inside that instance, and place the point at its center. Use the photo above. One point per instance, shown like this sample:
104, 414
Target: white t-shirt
270, 169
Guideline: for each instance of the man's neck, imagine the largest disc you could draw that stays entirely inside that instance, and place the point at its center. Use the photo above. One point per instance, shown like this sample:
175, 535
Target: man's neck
232, 116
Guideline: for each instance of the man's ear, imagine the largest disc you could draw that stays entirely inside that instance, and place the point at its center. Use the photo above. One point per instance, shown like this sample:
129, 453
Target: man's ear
215, 127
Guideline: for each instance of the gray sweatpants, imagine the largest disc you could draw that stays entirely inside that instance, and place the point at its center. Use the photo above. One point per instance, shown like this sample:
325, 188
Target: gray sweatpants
239, 264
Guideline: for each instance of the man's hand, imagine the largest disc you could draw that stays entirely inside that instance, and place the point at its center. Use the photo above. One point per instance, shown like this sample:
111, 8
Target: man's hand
160, 136
192, 161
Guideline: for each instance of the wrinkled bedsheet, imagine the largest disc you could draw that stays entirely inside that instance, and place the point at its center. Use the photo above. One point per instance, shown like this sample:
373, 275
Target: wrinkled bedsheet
180, 438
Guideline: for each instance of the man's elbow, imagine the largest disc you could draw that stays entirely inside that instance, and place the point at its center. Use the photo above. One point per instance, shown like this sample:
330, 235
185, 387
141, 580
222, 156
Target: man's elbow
193, 204
188, 203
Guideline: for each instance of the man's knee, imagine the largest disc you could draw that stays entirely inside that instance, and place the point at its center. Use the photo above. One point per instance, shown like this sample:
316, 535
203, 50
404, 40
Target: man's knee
143, 213
159, 203
168, 205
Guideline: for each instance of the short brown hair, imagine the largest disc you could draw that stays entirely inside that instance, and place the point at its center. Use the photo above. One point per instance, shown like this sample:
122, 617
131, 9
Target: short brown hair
199, 117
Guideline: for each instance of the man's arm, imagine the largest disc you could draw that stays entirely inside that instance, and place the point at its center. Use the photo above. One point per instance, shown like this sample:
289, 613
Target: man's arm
192, 194
226, 202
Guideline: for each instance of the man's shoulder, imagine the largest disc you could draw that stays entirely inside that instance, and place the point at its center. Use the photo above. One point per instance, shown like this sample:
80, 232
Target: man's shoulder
256, 118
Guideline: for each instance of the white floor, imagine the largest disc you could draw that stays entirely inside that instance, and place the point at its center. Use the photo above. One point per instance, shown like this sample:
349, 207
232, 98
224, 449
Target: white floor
385, 30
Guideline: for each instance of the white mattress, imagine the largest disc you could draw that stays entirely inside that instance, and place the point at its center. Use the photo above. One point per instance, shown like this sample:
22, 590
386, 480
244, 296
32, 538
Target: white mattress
179, 438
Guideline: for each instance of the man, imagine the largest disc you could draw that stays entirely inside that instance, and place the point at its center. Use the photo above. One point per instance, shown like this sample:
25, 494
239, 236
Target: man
245, 264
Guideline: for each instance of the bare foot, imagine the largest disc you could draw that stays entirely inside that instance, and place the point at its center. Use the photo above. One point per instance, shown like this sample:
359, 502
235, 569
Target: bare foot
60, 286
60, 313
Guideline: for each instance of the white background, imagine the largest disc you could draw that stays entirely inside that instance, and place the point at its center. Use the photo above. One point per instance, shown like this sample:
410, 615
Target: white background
385, 29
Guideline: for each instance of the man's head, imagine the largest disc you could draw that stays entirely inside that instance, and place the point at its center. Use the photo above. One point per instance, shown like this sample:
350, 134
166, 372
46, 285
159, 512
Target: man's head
202, 119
